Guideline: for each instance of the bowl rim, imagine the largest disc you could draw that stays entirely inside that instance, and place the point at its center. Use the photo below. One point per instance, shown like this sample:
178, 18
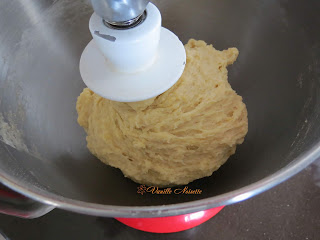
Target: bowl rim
95, 209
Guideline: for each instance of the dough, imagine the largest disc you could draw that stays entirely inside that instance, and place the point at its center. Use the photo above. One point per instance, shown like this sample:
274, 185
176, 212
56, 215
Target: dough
184, 134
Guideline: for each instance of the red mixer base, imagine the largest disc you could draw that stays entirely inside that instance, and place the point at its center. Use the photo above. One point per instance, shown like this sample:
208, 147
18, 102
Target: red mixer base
170, 224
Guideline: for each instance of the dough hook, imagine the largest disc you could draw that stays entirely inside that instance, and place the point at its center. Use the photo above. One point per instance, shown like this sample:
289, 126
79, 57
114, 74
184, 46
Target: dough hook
131, 57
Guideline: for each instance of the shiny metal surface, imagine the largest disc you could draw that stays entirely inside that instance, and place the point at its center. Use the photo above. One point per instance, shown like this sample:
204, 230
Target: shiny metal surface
43, 150
127, 24
271, 215
120, 12
18, 205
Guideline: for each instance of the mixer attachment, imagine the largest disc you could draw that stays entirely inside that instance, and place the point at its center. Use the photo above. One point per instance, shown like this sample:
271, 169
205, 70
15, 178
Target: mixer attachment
131, 57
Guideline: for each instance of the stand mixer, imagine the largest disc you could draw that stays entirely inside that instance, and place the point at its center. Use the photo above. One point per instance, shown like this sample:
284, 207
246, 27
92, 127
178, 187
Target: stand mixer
43, 153
131, 57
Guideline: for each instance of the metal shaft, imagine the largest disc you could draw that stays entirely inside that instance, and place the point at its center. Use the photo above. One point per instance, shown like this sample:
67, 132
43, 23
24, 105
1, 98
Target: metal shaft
120, 12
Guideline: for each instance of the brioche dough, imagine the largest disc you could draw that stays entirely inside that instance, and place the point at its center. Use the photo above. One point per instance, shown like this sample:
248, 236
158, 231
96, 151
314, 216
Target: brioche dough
184, 134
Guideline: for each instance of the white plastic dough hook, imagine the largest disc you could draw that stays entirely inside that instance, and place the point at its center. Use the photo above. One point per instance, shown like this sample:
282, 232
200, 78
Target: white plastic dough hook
131, 57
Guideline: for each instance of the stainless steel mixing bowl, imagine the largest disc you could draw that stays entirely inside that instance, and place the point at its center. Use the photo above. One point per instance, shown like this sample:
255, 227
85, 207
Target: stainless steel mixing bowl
43, 152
